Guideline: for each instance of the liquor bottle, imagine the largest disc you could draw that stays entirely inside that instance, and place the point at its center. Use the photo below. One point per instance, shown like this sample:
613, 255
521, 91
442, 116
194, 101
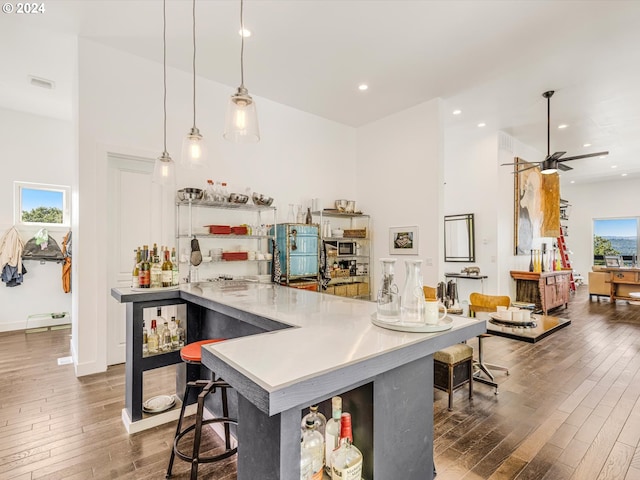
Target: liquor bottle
135, 275
180, 334
313, 443
531, 261
156, 270
318, 419
175, 269
346, 461
306, 463
332, 432
144, 276
153, 342
167, 270
173, 330
165, 338
145, 339
308, 219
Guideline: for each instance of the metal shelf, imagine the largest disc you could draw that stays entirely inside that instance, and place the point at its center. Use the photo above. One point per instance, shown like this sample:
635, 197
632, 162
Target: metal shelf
226, 205
218, 235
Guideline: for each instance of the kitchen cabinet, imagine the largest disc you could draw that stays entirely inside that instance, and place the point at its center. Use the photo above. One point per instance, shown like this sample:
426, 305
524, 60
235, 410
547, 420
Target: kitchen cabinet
242, 235
348, 252
546, 290
298, 250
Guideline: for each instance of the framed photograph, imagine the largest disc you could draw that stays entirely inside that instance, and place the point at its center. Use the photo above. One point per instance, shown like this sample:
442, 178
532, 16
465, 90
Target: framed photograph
612, 261
403, 240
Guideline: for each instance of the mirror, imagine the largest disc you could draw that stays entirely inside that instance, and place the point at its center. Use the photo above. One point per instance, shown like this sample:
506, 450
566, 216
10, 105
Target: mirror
459, 242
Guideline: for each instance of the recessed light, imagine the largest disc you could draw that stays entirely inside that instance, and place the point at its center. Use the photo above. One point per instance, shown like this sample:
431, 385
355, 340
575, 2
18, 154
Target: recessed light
602, 156
586, 145
614, 166
572, 181
624, 174
245, 32
564, 125
457, 112
363, 87
482, 124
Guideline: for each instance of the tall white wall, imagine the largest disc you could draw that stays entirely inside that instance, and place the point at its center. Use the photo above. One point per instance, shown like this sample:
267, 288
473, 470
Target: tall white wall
399, 182
33, 149
613, 199
300, 156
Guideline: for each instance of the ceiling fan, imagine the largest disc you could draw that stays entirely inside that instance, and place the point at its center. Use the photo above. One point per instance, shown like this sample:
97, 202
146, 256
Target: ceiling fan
552, 163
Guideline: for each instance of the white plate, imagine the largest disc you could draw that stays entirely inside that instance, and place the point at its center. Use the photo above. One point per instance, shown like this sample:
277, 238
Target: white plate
445, 324
159, 404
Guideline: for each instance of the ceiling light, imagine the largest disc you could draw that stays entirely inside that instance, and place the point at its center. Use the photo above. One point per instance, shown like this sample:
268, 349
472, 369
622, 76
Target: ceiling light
457, 112
572, 181
624, 174
549, 166
164, 168
241, 125
482, 124
193, 146
363, 87
245, 32
586, 145
614, 166
564, 125
602, 156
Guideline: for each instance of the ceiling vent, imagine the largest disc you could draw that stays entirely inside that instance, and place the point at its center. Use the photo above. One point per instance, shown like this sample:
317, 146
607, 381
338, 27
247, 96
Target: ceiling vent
505, 142
42, 82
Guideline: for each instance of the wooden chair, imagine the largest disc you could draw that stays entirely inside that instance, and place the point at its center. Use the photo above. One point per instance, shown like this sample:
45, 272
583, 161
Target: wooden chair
479, 302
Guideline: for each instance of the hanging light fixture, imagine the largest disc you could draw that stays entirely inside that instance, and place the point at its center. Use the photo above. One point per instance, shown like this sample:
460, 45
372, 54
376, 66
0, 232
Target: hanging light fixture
193, 145
164, 168
242, 121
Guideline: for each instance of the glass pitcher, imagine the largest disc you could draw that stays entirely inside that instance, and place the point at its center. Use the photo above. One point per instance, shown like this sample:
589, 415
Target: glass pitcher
388, 295
412, 299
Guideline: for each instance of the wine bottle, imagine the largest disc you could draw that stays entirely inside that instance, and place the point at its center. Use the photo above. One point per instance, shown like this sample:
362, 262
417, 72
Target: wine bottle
165, 338
153, 342
144, 276
167, 270
531, 261
156, 269
135, 274
173, 330
346, 461
180, 333
145, 339
175, 269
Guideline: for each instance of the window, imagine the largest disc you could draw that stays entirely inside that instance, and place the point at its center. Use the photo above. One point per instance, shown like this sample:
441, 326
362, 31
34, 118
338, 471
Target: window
615, 236
41, 204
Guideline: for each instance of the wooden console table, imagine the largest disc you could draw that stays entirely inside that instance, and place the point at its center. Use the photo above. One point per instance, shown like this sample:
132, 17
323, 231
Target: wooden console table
546, 289
623, 281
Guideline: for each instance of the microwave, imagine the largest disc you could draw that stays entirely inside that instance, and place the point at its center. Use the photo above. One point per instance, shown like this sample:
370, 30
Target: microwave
345, 248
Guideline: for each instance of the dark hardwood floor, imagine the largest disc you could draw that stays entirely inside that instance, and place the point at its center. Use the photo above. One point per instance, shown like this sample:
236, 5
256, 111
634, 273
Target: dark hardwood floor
570, 409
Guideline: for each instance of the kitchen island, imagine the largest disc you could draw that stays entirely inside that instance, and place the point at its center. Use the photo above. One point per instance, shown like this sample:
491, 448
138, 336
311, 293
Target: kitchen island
298, 348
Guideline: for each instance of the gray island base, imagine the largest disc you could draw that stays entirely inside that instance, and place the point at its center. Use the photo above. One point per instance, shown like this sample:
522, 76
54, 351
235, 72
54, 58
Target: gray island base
289, 348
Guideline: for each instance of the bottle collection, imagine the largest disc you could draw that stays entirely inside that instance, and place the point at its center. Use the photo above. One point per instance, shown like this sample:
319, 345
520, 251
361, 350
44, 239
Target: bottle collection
150, 272
328, 446
170, 337
543, 260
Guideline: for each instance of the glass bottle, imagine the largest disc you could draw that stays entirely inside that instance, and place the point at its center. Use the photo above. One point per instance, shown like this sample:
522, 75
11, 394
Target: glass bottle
153, 342
224, 191
412, 299
308, 219
165, 338
346, 460
306, 463
531, 261
173, 331
144, 277
209, 191
135, 274
145, 339
313, 442
388, 296
156, 269
180, 334
318, 419
332, 432
175, 269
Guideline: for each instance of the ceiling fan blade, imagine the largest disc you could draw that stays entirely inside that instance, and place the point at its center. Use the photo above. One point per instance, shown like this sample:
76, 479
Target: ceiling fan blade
518, 163
587, 155
524, 169
563, 167
556, 156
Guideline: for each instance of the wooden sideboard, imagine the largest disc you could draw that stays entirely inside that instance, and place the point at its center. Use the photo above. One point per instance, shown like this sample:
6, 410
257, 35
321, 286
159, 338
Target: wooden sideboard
546, 289
623, 281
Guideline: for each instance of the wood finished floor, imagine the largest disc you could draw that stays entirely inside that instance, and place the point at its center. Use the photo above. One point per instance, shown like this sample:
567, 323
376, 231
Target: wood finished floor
570, 409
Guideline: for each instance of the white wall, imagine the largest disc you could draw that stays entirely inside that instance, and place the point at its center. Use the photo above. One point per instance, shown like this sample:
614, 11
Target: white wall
399, 182
33, 149
613, 199
300, 157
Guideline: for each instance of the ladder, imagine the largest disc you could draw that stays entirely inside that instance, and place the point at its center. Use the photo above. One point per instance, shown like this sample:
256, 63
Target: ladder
566, 263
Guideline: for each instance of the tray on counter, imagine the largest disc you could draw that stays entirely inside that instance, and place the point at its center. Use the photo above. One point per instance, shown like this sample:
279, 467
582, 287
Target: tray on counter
445, 324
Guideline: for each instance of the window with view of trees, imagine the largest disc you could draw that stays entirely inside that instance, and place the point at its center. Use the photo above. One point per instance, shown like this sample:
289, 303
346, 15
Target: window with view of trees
40, 204
615, 236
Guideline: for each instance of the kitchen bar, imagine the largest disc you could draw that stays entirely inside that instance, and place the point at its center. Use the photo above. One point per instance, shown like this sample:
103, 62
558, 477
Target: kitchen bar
313, 346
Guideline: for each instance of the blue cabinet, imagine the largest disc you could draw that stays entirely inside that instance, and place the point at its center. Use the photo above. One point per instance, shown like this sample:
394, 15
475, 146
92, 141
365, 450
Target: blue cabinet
299, 253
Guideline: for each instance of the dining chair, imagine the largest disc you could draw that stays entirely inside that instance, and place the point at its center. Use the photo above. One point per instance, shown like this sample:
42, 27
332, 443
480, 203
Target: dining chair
479, 302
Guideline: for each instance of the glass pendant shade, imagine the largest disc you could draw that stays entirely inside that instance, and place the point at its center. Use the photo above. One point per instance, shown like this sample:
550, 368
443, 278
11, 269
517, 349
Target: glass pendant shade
194, 151
164, 170
241, 124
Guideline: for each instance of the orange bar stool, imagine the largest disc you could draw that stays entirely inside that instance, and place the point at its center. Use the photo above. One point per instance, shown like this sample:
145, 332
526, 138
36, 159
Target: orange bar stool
192, 353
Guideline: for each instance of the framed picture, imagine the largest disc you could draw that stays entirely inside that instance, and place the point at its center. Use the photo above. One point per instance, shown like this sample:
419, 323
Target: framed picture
403, 240
613, 261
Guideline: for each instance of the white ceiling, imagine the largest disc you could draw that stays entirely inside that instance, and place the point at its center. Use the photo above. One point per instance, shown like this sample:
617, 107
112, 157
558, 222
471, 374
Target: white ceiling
491, 59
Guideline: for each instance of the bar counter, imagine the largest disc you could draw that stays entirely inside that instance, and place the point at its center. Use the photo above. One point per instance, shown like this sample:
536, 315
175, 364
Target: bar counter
305, 348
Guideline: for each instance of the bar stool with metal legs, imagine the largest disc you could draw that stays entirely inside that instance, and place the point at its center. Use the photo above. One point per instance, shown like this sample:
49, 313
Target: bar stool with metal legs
191, 354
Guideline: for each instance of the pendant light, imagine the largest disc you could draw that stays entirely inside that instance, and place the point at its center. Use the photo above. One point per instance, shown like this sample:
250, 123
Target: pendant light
164, 169
241, 124
193, 146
